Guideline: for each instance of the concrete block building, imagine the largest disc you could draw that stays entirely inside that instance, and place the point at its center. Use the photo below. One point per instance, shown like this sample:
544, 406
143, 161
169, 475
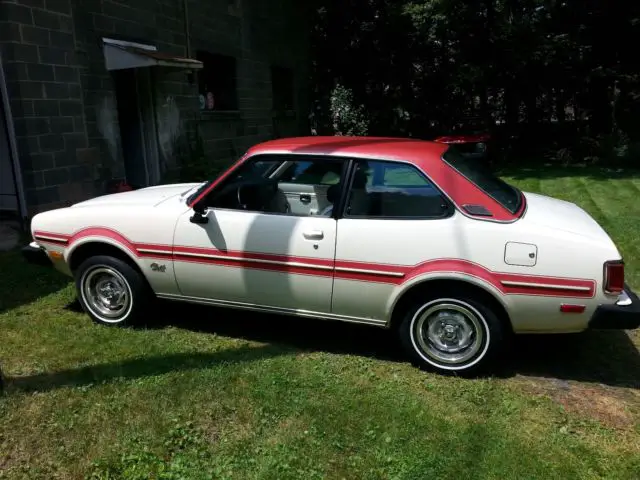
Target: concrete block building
101, 90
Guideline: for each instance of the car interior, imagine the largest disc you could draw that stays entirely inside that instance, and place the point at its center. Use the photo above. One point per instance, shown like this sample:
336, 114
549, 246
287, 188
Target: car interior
316, 189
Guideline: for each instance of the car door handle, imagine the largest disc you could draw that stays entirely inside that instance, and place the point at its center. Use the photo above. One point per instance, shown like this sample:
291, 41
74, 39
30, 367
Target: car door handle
314, 235
305, 198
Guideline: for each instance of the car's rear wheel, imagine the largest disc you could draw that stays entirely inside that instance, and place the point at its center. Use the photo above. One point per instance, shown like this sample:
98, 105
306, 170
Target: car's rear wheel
451, 335
111, 291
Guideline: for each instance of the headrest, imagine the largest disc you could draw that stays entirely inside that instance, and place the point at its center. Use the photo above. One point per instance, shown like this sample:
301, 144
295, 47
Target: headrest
333, 192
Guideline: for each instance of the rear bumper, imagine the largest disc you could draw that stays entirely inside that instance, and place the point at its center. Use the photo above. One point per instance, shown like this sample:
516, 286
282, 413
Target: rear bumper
622, 315
36, 255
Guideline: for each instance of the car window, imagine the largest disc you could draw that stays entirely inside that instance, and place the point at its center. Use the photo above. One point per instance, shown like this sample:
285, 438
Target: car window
282, 184
382, 189
477, 173
403, 175
256, 169
310, 172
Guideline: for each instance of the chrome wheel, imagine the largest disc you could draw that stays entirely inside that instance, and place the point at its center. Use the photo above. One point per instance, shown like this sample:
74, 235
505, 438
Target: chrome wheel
450, 334
106, 293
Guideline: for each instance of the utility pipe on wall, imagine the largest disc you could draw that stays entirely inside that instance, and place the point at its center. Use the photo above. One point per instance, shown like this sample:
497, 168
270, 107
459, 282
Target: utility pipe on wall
187, 34
13, 147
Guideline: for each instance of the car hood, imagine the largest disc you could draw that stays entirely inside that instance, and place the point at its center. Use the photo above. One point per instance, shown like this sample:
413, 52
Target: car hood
557, 214
150, 196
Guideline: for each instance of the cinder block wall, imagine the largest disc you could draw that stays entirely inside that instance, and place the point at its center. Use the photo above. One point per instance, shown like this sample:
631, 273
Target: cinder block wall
63, 99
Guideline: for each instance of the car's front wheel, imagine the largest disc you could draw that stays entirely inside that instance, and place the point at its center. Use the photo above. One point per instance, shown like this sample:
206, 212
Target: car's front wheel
451, 335
111, 291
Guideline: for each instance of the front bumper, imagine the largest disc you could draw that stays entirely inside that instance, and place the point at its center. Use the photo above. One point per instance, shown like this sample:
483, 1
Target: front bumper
36, 255
622, 315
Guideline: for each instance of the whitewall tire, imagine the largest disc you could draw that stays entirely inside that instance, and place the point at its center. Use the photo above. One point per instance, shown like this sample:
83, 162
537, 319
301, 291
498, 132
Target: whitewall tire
111, 291
451, 334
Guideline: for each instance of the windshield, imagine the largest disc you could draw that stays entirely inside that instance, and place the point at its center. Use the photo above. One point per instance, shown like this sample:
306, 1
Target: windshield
248, 171
480, 175
199, 190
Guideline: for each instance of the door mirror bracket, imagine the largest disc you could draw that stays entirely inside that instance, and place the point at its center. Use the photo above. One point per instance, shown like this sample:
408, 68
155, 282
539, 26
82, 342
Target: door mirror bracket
199, 215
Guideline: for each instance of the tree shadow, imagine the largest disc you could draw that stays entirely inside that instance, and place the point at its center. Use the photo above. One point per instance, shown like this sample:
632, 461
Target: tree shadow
139, 368
22, 283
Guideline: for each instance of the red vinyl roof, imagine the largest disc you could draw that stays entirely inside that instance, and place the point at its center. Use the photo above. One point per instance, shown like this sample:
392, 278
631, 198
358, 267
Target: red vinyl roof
404, 149
425, 155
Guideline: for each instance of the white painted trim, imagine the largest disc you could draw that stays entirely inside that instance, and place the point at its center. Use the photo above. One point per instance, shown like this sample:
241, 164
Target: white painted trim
374, 272
48, 237
124, 43
275, 310
573, 288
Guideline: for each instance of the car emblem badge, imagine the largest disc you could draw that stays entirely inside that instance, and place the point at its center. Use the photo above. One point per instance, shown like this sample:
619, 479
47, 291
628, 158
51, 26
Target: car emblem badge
158, 268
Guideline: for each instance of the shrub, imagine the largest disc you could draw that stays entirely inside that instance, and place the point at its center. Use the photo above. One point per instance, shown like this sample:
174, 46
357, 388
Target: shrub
347, 118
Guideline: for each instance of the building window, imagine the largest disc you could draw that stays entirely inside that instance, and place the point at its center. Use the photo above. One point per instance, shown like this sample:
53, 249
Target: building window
282, 88
217, 82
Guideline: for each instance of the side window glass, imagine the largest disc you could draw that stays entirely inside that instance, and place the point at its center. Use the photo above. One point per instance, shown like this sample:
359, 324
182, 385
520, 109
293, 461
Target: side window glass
313, 172
393, 190
282, 184
251, 172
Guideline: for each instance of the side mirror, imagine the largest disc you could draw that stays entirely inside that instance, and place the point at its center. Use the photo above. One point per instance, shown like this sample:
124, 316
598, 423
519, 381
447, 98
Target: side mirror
199, 215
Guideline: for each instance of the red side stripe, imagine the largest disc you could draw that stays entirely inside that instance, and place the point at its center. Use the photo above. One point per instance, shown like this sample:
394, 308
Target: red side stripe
50, 234
180, 251
62, 243
52, 238
273, 267
507, 283
106, 233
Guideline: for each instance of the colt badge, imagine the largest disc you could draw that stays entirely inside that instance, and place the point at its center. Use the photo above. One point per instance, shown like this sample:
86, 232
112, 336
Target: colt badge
158, 268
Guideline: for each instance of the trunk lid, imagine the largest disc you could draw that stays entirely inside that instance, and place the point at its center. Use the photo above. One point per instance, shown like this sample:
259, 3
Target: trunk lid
562, 215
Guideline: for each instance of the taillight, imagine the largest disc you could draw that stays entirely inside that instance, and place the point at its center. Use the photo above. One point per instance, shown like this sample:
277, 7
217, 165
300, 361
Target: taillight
614, 277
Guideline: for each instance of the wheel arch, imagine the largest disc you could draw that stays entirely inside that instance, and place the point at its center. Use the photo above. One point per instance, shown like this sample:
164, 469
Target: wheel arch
89, 247
460, 283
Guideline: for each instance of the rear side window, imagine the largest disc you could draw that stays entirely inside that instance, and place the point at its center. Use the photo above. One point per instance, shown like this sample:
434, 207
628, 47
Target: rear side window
481, 176
383, 189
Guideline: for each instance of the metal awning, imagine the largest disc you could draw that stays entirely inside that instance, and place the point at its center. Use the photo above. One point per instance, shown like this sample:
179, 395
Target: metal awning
120, 55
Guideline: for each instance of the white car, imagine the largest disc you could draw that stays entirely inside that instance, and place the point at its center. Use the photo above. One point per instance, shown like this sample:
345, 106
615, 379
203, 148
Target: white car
394, 233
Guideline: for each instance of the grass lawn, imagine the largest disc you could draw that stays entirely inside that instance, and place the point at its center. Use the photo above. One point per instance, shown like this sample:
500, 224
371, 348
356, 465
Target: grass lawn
252, 396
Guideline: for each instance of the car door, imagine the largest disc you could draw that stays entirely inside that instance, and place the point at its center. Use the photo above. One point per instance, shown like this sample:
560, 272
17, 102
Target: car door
394, 219
269, 258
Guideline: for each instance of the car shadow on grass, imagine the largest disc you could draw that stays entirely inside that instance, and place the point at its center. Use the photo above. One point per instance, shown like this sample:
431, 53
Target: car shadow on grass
303, 334
606, 357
